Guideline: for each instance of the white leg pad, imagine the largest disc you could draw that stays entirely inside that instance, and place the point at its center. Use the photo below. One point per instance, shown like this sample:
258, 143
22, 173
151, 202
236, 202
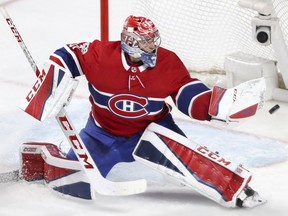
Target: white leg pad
44, 161
191, 164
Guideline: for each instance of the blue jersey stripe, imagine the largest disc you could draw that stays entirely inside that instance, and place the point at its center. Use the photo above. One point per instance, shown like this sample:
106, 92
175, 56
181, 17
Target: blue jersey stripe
102, 100
187, 93
69, 61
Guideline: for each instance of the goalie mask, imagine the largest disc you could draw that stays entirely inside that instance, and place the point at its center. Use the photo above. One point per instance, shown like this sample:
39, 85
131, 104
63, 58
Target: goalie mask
140, 39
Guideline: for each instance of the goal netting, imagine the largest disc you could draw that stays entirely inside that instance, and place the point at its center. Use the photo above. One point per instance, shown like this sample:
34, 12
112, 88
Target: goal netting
203, 32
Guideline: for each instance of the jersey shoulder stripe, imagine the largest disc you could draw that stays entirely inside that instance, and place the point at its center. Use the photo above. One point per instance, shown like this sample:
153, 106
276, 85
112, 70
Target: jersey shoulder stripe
66, 55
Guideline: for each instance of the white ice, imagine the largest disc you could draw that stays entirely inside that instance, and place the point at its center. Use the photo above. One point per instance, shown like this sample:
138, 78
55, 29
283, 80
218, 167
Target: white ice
260, 144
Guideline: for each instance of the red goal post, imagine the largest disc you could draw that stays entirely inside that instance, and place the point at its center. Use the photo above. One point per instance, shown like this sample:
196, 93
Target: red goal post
104, 19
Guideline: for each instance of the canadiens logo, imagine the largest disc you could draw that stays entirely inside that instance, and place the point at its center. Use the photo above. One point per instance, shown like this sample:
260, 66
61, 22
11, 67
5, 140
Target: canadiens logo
128, 105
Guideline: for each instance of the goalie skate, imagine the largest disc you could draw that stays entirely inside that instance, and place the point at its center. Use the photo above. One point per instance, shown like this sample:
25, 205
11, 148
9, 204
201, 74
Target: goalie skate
249, 198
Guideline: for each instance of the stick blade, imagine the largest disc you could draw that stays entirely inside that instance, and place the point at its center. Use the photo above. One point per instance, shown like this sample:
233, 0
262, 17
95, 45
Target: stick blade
12, 176
121, 188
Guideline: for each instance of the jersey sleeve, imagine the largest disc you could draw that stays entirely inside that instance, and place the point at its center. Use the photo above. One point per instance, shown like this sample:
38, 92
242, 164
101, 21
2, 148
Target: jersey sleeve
76, 57
193, 99
191, 96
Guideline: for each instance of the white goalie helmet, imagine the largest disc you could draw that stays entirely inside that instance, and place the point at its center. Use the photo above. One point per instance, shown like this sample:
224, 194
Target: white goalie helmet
140, 39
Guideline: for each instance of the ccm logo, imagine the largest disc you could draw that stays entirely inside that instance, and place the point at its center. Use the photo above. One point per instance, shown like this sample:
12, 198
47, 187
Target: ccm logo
74, 140
29, 149
213, 156
13, 29
36, 86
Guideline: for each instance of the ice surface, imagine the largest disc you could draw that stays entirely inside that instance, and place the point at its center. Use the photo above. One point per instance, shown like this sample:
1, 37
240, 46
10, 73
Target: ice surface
260, 144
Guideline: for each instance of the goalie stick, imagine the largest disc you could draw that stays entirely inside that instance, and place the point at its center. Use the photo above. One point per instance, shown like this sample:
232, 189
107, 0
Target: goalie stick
12, 176
100, 184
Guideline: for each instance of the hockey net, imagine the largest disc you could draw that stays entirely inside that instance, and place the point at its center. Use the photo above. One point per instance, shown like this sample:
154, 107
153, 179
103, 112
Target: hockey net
203, 32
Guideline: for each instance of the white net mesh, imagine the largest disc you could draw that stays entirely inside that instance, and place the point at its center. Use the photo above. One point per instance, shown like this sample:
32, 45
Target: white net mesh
203, 32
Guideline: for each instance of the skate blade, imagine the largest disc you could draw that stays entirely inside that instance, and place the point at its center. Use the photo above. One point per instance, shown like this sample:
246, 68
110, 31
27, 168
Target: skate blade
254, 201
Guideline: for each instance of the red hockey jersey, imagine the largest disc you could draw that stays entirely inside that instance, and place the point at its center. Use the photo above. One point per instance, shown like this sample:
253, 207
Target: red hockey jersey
125, 97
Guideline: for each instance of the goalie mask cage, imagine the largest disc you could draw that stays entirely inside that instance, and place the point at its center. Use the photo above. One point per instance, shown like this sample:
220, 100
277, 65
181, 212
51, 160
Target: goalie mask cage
203, 32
